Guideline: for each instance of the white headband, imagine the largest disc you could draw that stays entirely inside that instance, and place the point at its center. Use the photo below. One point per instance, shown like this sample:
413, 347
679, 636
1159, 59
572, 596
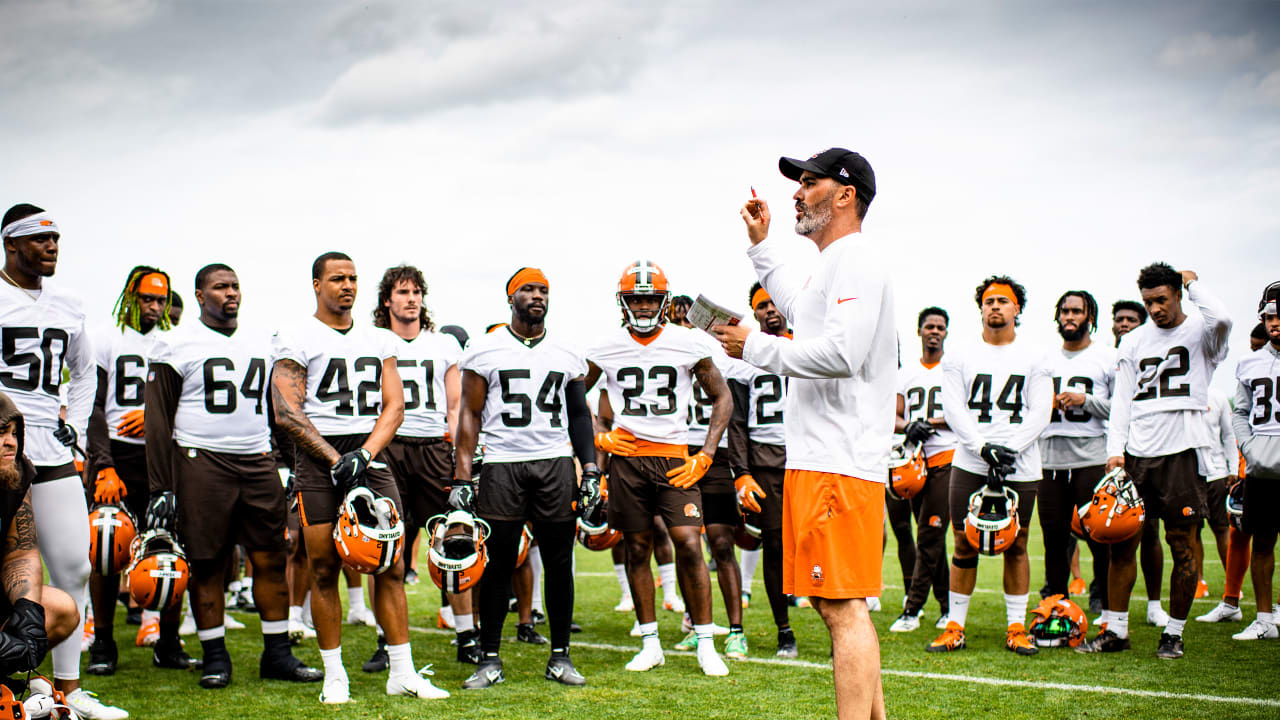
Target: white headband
30, 225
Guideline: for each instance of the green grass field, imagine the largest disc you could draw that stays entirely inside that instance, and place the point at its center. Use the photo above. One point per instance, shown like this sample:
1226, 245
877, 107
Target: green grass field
1219, 677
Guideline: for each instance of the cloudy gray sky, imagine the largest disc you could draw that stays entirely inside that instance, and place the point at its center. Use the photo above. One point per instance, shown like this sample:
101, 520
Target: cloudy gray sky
1066, 144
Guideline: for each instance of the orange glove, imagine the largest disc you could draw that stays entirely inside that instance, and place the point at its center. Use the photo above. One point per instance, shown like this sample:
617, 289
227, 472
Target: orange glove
691, 471
618, 441
131, 425
748, 492
109, 488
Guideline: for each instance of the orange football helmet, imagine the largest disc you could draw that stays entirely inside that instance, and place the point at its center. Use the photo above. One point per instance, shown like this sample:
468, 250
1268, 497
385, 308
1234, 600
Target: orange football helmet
992, 523
457, 557
643, 278
906, 471
159, 572
1058, 621
594, 532
112, 529
1116, 511
369, 534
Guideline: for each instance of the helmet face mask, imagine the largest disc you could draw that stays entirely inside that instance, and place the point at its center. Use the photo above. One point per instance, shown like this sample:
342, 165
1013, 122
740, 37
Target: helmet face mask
594, 532
1235, 504
369, 535
1058, 621
907, 471
159, 572
991, 525
1116, 511
643, 279
457, 556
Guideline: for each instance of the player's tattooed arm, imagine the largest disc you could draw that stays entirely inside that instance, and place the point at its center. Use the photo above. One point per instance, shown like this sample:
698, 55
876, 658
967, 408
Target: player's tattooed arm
717, 389
288, 393
20, 570
474, 391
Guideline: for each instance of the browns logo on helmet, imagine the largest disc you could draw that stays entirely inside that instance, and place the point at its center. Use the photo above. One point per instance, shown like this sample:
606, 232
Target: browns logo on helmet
457, 556
643, 278
369, 534
1058, 621
159, 573
907, 471
112, 529
991, 525
1116, 512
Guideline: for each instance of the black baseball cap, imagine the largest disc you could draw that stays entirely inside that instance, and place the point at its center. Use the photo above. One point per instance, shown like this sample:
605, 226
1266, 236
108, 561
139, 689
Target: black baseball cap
844, 166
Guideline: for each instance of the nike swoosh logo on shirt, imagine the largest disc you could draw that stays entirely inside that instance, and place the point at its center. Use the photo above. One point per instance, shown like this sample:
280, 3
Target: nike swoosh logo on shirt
844, 300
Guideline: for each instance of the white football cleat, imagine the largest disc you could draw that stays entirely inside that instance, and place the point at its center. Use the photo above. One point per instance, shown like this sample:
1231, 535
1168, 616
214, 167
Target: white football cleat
673, 604
873, 604
188, 626
87, 705
648, 659
1221, 612
1257, 630
230, 623
299, 631
416, 685
361, 616
626, 604
336, 691
1157, 616
636, 631
905, 623
710, 661
942, 621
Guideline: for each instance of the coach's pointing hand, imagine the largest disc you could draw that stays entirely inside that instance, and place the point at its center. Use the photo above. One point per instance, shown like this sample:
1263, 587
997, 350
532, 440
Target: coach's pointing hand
755, 213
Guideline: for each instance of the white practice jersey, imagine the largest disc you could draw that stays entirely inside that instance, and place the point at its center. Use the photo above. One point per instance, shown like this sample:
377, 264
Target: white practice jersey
651, 385
701, 406
921, 389
223, 406
1091, 371
1220, 458
423, 362
122, 354
525, 414
344, 372
766, 403
1000, 394
1162, 382
1259, 373
39, 338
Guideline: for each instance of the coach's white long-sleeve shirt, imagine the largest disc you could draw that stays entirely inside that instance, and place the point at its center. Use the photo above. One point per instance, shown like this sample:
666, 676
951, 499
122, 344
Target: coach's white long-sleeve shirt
843, 359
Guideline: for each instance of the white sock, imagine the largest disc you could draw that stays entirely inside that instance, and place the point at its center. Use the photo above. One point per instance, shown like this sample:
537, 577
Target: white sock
401, 659
275, 627
212, 633
535, 564
333, 669
1015, 608
1105, 619
959, 605
649, 635
670, 589
1175, 626
706, 635
295, 613
1119, 624
306, 610
446, 612
464, 623
355, 598
620, 570
750, 559
1154, 605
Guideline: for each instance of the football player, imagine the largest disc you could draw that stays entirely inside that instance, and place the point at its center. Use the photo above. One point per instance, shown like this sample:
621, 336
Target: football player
175, 309
1073, 449
42, 328
997, 397
209, 446
756, 432
921, 419
118, 456
1220, 466
1257, 337
1154, 430
421, 455
33, 614
1256, 422
650, 366
1125, 316
522, 390
336, 390
678, 311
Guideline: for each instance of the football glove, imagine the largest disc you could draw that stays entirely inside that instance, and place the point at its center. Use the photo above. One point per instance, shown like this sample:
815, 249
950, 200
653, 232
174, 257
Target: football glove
162, 512
109, 488
349, 471
67, 435
618, 441
917, 431
749, 493
589, 491
23, 642
691, 471
998, 456
462, 496
131, 425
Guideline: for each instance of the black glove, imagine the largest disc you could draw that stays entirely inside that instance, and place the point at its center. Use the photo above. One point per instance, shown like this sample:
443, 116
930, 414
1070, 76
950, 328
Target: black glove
917, 430
589, 491
348, 472
998, 456
26, 622
463, 496
66, 435
162, 512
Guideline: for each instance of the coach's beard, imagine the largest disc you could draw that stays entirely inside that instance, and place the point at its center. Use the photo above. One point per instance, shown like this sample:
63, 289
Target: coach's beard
813, 219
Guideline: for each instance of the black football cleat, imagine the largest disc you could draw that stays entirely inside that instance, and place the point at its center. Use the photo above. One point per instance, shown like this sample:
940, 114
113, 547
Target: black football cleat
1170, 647
1104, 642
103, 656
560, 668
288, 668
171, 656
380, 660
469, 647
487, 675
217, 671
526, 634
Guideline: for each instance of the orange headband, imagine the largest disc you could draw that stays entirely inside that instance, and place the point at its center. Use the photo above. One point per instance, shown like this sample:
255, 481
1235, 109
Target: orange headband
524, 277
758, 297
1002, 289
153, 284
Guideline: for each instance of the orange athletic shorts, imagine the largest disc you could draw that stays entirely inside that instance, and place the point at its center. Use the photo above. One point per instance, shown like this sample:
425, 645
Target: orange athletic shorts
832, 533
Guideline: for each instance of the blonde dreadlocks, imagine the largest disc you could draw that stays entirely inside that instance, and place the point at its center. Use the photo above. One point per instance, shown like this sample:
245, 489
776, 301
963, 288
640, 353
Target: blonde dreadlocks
128, 308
